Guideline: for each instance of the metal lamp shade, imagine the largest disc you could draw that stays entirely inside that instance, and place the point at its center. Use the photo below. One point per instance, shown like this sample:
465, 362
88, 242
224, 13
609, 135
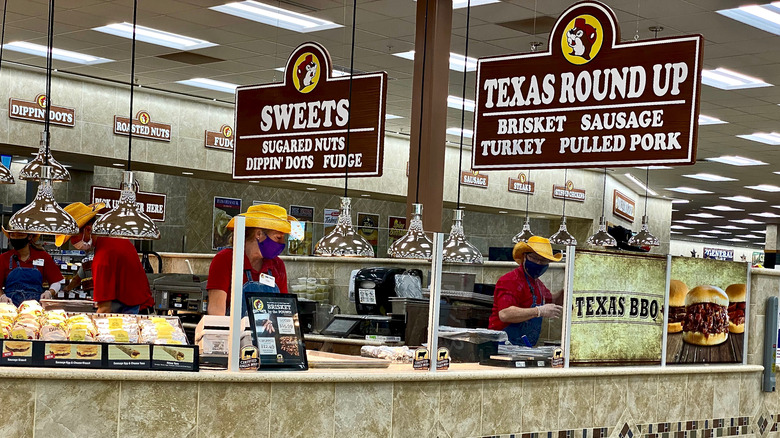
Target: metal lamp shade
6, 177
343, 240
43, 215
414, 244
602, 237
456, 248
562, 237
643, 237
126, 221
32, 170
524, 235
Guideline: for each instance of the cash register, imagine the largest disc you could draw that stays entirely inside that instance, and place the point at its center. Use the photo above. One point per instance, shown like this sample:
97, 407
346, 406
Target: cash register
361, 326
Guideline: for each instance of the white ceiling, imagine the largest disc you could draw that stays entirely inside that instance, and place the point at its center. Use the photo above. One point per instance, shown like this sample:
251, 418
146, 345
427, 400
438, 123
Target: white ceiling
251, 51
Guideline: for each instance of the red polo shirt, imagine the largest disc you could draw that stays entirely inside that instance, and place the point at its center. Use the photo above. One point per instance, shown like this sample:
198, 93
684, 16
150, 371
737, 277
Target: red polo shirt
118, 274
50, 271
221, 269
512, 290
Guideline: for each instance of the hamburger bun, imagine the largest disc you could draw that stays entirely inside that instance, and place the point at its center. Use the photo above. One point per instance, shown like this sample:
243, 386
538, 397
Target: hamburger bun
734, 328
677, 292
736, 292
707, 294
59, 350
697, 338
88, 351
674, 327
17, 346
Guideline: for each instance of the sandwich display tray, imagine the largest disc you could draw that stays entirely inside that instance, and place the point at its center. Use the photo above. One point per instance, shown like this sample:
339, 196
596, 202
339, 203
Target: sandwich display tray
100, 355
508, 361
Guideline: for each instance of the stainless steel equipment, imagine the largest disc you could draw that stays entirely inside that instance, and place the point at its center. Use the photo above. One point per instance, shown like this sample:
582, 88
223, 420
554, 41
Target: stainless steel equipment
179, 292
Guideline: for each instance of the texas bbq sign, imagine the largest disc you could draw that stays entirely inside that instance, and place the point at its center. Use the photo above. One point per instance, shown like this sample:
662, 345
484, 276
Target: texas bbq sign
590, 100
298, 128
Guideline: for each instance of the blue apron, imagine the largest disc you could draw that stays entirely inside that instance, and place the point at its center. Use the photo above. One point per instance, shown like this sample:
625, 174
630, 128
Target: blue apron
23, 284
253, 286
531, 328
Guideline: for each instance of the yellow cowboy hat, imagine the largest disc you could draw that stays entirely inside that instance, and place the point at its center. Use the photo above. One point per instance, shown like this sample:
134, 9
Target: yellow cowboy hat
81, 214
267, 216
538, 245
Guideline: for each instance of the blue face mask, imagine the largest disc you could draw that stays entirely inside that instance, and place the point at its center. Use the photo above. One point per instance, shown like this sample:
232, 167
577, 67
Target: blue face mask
534, 270
269, 248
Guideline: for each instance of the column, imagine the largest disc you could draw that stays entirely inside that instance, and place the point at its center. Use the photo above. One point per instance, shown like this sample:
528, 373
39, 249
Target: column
771, 246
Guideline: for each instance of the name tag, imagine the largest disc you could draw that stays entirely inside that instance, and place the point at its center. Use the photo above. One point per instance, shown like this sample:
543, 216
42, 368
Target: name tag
267, 280
38, 262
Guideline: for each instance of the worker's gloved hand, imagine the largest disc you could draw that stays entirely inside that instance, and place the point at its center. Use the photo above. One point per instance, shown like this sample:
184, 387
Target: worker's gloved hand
46, 295
4, 299
550, 311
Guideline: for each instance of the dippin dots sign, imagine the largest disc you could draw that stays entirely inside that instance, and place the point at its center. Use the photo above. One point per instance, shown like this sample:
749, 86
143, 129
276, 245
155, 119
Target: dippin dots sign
590, 100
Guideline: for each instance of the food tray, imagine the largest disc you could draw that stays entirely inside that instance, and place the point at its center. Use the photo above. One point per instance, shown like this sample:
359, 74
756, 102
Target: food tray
462, 295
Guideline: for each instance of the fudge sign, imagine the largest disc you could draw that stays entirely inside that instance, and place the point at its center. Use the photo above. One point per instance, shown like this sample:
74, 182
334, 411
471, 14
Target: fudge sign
590, 100
307, 126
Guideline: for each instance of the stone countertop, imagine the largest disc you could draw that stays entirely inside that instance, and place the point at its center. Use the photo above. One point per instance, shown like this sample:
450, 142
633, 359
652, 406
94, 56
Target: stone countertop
396, 373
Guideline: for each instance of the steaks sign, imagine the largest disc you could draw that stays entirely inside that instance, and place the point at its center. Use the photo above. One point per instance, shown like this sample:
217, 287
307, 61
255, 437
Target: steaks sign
153, 204
521, 184
590, 100
300, 128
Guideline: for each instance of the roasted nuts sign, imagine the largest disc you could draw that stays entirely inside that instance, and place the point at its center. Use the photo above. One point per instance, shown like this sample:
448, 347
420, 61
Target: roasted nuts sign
568, 192
143, 127
312, 125
623, 206
521, 184
590, 100
474, 179
36, 111
220, 140
153, 204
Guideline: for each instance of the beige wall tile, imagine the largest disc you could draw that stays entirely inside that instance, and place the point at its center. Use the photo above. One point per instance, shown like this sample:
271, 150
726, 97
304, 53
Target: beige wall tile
69, 408
540, 405
609, 401
642, 398
17, 408
575, 403
725, 399
460, 410
220, 416
360, 410
302, 409
415, 407
158, 409
505, 403
700, 389
671, 390
750, 394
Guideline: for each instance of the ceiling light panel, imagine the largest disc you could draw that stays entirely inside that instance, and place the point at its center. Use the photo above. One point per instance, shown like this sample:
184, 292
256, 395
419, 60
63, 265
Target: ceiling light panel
680, 227
771, 138
154, 36
210, 84
705, 215
689, 190
734, 239
680, 201
467, 133
690, 222
702, 236
715, 232
641, 185
740, 198
460, 104
764, 17
389, 116
273, 16
750, 236
747, 221
709, 177
736, 160
707, 120
58, 54
764, 188
730, 80
730, 227
723, 208
456, 61
766, 214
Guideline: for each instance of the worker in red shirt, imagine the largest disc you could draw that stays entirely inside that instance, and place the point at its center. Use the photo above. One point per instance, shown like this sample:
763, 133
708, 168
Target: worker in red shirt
521, 300
267, 227
25, 268
120, 283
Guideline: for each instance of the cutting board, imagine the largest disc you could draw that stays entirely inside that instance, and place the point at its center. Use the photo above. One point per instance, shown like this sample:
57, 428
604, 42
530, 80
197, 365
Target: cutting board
319, 359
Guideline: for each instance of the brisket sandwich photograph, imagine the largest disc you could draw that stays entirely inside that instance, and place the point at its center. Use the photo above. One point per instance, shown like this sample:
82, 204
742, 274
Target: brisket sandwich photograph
677, 292
706, 318
736, 293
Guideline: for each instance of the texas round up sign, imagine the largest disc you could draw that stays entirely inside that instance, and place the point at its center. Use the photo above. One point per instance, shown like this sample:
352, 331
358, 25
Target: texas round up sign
590, 100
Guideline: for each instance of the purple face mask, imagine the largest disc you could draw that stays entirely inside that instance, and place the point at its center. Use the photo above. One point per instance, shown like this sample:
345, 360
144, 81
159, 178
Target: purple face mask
269, 248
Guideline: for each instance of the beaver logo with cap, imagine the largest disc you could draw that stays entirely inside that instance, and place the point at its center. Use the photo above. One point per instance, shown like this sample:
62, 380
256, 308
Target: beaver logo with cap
583, 38
307, 72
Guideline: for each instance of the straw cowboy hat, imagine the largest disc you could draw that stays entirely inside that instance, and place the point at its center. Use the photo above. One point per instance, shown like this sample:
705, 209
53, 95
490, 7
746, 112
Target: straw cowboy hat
82, 214
267, 216
536, 244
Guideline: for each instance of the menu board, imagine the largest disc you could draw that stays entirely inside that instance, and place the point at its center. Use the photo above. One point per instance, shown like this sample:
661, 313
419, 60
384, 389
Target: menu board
276, 331
723, 341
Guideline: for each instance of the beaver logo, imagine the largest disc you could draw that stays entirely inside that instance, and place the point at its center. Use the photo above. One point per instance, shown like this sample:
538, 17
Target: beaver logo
144, 117
569, 185
583, 39
227, 131
258, 305
41, 99
307, 72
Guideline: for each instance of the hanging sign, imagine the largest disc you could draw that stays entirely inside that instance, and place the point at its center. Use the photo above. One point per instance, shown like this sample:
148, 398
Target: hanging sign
143, 127
220, 140
152, 204
521, 184
36, 111
718, 254
474, 179
590, 100
623, 206
299, 128
568, 193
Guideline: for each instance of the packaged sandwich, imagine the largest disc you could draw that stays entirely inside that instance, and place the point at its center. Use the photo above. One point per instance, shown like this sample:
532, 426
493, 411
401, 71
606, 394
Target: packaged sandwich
32, 307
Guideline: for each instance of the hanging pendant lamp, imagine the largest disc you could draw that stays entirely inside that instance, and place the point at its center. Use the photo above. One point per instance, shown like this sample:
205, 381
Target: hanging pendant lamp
32, 170
6, 177
526, 233
602, 237
456, 248
343, 240
126, 220
563, 237
414, 244
644, 237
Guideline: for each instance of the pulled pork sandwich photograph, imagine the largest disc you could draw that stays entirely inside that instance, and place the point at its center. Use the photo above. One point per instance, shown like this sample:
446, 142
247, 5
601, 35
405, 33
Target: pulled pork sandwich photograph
677, 292
706, 320
736, 310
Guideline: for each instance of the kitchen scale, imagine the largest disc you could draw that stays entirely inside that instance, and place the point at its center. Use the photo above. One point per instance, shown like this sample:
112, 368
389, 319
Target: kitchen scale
360, 326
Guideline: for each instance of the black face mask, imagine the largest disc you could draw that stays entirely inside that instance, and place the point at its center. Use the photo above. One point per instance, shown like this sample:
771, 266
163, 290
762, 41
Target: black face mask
18, 244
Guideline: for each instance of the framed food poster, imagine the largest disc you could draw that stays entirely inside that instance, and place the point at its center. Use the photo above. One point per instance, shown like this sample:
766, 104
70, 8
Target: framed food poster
276, 331
396, 226
300, 239
331, 217
368, 227
224, 209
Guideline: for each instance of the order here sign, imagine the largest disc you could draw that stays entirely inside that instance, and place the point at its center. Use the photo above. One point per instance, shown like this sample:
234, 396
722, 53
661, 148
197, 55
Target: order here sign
300, 128
590, 100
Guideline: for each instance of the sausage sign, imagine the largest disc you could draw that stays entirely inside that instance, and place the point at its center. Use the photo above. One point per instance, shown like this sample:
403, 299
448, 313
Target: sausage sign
590, 100
299, 128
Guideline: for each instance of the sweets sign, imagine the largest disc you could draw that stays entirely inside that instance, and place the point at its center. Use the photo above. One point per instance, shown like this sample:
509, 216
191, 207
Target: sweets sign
299, 128
589, 100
